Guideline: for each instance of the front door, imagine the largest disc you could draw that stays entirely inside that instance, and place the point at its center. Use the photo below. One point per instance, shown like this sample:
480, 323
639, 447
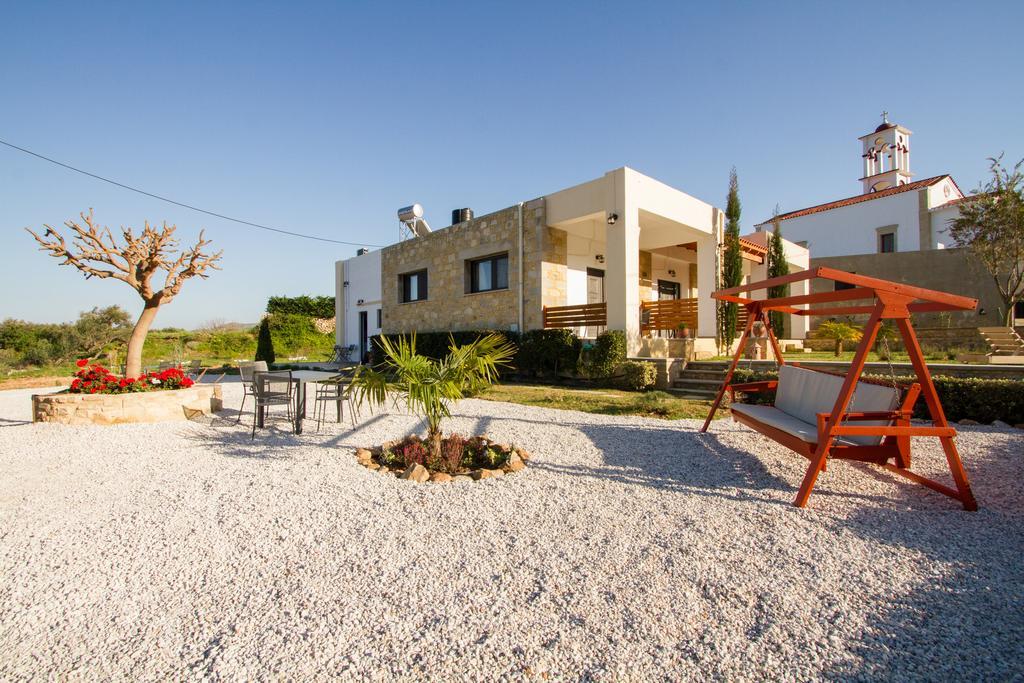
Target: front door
364, 340
595, 295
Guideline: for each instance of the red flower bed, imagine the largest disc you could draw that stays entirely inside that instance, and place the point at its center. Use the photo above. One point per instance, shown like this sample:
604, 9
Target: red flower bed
96, 379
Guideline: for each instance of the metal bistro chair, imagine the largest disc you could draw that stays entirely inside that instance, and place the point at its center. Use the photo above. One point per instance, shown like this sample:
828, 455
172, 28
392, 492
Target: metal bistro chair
336, 390
272, 389
247, 370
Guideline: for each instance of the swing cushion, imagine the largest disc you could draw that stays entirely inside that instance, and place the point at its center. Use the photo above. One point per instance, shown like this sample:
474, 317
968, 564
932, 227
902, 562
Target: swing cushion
803, 393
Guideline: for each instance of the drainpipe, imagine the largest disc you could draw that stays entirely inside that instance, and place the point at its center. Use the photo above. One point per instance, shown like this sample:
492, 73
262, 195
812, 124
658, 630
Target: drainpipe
521, 269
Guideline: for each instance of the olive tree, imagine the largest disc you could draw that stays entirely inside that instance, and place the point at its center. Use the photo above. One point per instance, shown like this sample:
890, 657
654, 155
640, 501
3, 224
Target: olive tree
991, 228
135, 260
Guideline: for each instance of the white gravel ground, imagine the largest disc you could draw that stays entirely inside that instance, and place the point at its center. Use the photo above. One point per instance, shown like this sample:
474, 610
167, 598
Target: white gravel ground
630, 549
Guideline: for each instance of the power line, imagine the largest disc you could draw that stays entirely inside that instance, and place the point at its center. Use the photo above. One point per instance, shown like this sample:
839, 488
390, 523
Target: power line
182, 204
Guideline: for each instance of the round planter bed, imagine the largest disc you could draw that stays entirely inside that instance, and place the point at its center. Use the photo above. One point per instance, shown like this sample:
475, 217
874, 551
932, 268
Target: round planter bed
107, 409
501, 459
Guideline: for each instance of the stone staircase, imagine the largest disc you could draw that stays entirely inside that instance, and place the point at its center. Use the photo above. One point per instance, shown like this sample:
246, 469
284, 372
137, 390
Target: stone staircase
1002, 341
700, 380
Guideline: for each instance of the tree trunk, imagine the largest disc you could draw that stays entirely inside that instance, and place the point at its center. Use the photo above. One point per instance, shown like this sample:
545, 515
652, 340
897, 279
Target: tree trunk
839, 347
434, 444
133, 361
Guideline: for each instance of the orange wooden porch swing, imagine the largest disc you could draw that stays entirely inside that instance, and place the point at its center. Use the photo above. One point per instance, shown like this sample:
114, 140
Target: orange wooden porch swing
866, 420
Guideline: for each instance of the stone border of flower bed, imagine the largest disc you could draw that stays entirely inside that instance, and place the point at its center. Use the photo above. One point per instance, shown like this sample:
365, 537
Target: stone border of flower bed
148, 406
415, 472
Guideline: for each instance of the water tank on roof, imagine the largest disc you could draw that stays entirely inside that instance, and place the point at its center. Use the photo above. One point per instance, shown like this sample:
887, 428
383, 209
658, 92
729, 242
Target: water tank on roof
410, 213
461, 215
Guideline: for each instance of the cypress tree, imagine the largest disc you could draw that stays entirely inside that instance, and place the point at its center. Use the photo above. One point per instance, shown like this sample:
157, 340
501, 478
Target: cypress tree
732, 260
777, 266
264, 342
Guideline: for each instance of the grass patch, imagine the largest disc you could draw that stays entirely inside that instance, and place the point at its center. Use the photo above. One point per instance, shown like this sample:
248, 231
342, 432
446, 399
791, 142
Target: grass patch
602, 401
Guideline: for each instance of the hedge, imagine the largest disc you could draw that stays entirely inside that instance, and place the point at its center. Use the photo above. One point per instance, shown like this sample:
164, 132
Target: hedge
545, 352
637, 375
436, 344
311, 306
962, 398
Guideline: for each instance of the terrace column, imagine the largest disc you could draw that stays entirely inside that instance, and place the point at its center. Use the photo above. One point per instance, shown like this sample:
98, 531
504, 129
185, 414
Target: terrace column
707, 263
799, 325
622, 276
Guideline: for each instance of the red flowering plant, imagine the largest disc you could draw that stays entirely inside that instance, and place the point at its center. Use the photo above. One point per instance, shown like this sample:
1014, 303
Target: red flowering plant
96, 379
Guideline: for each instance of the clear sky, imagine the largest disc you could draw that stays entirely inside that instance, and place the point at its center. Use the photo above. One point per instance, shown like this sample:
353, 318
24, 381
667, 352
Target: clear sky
324, 118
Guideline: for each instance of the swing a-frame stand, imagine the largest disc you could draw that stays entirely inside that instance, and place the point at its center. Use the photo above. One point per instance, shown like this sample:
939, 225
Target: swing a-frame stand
880, 437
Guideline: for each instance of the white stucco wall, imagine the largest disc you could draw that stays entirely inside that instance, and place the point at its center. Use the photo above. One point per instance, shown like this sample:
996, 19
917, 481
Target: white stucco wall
853, 229
363, 274
940, 225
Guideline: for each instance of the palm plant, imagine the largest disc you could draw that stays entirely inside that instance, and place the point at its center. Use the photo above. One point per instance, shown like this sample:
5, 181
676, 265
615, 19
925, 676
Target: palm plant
429, 386
838, 332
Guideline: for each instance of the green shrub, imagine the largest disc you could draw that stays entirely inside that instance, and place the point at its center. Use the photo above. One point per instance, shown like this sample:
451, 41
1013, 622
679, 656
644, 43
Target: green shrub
309, 306
543, 352
637, 375
265, 342
962, 398
436, 345
608, 354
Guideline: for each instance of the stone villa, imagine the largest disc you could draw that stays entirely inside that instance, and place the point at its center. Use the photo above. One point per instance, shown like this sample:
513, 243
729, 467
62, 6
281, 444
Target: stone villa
623, 251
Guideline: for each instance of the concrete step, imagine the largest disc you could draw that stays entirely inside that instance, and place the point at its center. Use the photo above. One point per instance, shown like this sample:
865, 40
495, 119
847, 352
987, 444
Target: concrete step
702, 374
698, 384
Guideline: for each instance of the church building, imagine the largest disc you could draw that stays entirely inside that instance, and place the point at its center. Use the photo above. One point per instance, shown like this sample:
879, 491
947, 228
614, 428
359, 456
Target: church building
893, 213
897, 228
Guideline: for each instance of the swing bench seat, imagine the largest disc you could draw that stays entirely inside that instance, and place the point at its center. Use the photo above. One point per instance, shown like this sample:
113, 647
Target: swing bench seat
803, 401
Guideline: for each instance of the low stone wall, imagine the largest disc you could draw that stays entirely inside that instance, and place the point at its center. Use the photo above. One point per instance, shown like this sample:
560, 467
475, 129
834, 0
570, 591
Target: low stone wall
107, 409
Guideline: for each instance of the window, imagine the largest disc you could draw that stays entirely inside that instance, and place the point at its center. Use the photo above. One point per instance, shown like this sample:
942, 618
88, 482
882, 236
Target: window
414, 286
667, 290
488, 274
839, 286
886, 242
379, 316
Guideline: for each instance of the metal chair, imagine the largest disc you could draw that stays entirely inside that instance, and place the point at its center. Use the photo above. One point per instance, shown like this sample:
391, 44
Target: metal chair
272, 389
247, 370
336, 390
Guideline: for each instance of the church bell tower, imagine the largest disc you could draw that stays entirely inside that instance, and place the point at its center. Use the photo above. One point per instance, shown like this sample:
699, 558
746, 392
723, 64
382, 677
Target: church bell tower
886, 156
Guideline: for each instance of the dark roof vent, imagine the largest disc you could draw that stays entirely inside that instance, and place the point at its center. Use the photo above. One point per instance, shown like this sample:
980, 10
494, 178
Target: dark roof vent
461, 216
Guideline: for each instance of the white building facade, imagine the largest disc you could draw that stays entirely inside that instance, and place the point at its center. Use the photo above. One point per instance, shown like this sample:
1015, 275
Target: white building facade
357, 302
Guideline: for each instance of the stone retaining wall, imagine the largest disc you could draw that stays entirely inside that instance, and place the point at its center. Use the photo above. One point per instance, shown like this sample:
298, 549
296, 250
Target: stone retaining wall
150, 406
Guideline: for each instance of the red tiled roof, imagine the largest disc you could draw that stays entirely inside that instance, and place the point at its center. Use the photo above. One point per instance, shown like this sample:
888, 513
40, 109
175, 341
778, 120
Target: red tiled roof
849, 201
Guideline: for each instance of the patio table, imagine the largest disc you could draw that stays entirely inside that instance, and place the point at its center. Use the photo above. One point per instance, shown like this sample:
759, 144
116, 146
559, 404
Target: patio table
301, 378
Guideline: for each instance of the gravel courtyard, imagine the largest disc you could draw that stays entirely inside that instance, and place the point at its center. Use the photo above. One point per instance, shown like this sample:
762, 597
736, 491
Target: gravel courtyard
630, 549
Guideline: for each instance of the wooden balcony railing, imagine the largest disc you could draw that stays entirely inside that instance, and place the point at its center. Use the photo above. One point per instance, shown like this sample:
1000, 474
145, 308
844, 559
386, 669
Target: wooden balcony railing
668, 314
584, 315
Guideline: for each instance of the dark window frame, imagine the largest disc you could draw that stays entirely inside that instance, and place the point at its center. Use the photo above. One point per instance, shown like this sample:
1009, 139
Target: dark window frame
882, 237
405, 288
380, 318
495, 283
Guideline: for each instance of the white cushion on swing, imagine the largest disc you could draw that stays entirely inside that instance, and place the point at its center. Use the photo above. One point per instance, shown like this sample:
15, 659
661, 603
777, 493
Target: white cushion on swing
803, 393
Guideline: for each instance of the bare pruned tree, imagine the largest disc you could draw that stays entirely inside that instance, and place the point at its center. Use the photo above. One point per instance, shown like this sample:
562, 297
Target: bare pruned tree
96, 253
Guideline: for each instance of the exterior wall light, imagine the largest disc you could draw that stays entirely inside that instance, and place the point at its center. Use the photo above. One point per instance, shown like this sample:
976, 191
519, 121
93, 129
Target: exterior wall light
599, 258
612, 217
671, 273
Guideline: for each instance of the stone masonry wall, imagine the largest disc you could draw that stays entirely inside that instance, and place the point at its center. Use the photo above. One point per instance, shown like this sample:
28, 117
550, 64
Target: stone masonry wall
107, 409
445, 255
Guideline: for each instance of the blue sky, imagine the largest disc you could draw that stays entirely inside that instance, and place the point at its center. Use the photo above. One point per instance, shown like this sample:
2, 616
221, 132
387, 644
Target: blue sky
324, 118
